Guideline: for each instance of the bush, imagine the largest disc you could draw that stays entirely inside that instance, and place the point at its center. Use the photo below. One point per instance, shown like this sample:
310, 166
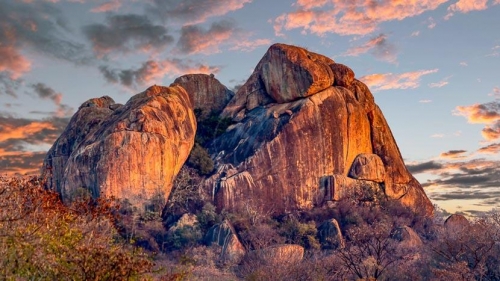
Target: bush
41, 238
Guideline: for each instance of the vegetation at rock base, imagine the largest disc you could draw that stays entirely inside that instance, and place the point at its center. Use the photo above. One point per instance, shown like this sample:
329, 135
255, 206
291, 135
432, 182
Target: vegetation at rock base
209, 126
43, 239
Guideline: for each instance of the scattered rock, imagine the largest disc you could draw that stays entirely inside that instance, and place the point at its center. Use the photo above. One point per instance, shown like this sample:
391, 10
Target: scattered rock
407, 236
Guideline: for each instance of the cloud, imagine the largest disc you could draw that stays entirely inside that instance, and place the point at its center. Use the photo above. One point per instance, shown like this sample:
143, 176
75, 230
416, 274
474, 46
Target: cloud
249, 45
390, 81
190, 12
425, 101
491, 133
423, 167
127, 33
441, 83
465, 6
486, 113
13, 62
415, 33
194, 39
490, 149
432, 23
109, 6
151, 72
495, 92
463, 63
9, 86
379, 47
24, 142
45, 92
349, 17
453, 154
438, 136
37, 26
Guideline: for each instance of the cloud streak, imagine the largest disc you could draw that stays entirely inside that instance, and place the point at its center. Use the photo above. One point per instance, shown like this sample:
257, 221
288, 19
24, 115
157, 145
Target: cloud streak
389, 81
151, 72
190, 12
378, 46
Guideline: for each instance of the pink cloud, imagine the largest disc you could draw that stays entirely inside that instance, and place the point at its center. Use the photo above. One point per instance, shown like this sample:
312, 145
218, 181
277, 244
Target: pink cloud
349, 17
112, 5
13, 62
465, 6
453, 154
390, 81
441, 83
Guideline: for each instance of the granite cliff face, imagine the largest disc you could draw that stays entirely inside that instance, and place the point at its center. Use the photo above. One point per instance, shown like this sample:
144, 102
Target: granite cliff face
132, 151
307, 132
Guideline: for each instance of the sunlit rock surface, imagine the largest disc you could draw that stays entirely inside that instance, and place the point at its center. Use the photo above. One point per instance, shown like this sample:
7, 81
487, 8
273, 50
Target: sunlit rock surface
131, 152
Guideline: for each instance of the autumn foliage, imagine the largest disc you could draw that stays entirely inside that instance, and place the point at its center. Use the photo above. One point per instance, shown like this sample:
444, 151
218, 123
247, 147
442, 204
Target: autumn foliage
42, 239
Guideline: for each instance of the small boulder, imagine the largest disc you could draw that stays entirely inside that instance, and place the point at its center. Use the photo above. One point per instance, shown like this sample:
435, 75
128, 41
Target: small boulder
368, 167
407, 236
456, 222
330, 236
224, 235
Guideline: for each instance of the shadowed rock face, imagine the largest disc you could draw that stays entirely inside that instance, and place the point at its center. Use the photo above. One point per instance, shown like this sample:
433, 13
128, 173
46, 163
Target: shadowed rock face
206, 92
131, 152
298, 118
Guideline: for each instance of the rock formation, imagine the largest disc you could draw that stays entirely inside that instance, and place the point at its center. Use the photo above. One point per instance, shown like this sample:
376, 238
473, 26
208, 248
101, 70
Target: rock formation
130, 152
224, 235
456, 222
206, 92
299, 118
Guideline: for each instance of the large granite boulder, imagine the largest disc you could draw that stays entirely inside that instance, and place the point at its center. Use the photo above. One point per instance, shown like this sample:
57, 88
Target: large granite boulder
205, 91
456, 222
131, 152
298, 118
407, 237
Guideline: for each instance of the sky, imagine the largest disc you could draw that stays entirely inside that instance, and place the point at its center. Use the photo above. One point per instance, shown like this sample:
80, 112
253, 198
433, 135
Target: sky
432, 65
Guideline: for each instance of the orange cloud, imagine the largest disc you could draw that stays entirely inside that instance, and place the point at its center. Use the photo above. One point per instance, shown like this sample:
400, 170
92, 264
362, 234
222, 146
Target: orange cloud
453, 154
491, 133
349, 17
490, 149
487, 113
9, 131
390, 81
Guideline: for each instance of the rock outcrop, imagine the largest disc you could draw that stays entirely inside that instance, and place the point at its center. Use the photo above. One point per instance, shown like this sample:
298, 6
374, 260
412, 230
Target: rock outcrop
301, 117
205, 91
131, 152
224, 235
